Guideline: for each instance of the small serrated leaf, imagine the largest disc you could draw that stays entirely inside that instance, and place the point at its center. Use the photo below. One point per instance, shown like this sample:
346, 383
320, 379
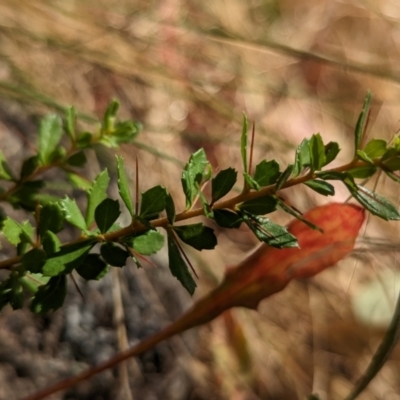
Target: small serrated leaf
123, 185
96, 194
197, 235
106, 213
15, 232
50, 132
148, 243
261, 205
321, 187
66, 259
373, 202
227, 219
34, 260
50, 242
92, 268
79, 182
302, 158
317, 152
153, 202
73, 214
285, 175
113, 254
222, 183
50, 296
178, 267
267, 172
332, 149
251, 182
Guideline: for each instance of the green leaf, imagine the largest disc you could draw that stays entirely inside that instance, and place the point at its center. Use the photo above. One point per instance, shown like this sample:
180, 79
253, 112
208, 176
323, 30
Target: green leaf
362, 122
170, 208
391, 160
27, 196
50, 242
96, 194
261, 205
267, 172
66, 259
332, 149
252, 183
70, 122
50, 133
197, 235
5, 170
34, 260
125, 132
196, 170
178, 266
113, 254
92, 268
206, 207
297, 215
51, 218
153, 202
302, 158
363, 156
321, 187
222, 184
284, 177
79, 182
11, 292
374, 203
243, 143
78, 159
84, 140
332, 176
268, 232
29, 166
148, 243
16, 233
375, 148
106, 214
73, 214
392, 176
362, 172
123, 185
317, 152
227, 219
50, 296
109, 115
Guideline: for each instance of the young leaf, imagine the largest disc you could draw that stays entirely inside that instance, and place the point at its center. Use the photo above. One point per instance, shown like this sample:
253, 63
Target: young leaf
79, 182
73, 214
92, 267
261, 205
317, 152
113, 254
267, 172
109, 116
50, 296
170, 208
375, 148
70, 121
374, 203
222, 184
153, 202
266, 231
78, 159
362, 172
84, 140
106, 214
332, 149
16, 233
303, 157
50, 132
362, 122
196, 170
284, 177
243, 143
227, 219
123, 185
34, 260
197, 235
66, 259
148, 243
178, 267
391, 160
96, 194
321, 187
51, 218
363, 156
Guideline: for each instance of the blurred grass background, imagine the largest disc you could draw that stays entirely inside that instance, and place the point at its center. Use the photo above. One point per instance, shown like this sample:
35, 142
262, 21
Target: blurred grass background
187, 70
